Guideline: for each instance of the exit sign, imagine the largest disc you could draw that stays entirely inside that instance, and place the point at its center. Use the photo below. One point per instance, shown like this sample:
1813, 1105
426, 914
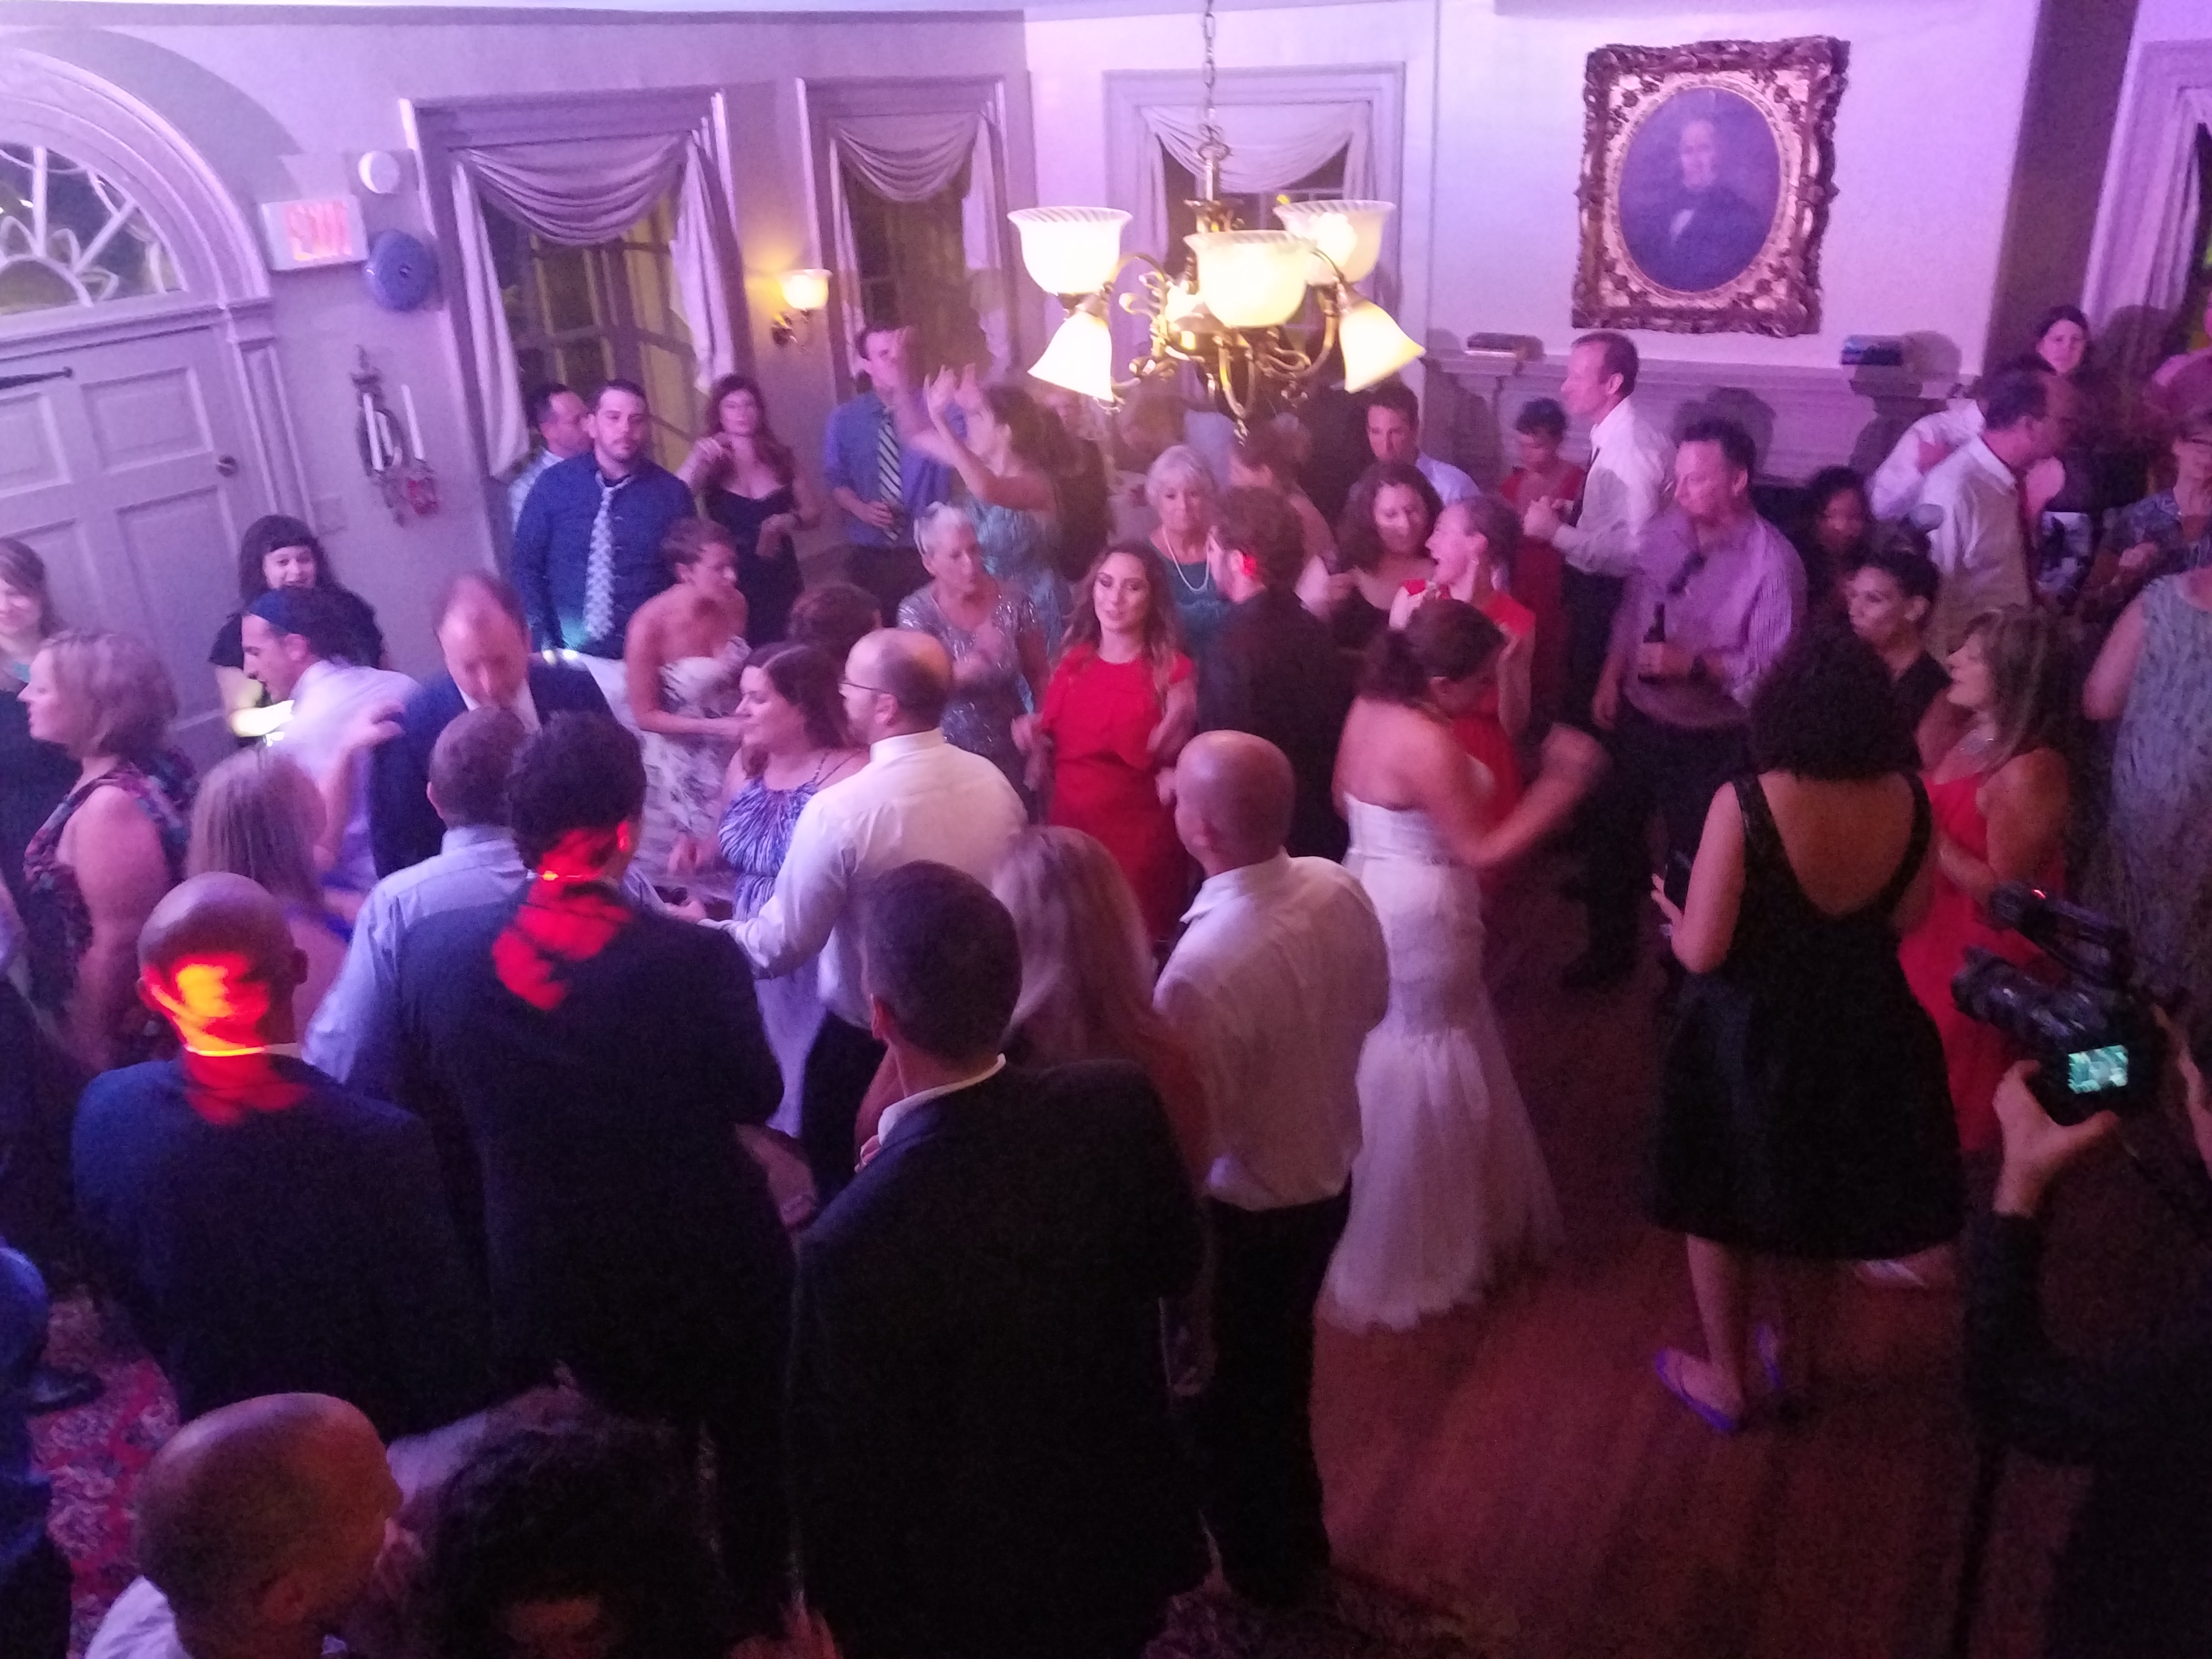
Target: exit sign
323, 231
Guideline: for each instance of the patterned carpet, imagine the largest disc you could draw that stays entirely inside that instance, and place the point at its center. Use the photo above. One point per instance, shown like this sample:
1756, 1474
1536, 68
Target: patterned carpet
95, 1452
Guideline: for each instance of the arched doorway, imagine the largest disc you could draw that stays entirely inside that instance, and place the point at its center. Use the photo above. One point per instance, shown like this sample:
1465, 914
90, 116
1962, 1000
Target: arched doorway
142, 415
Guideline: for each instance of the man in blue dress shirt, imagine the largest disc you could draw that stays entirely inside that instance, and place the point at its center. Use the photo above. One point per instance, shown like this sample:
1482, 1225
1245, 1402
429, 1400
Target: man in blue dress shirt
880, 483
587, 548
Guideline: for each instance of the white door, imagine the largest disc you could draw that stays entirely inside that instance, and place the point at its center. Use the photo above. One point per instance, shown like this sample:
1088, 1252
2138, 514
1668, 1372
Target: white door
132, 479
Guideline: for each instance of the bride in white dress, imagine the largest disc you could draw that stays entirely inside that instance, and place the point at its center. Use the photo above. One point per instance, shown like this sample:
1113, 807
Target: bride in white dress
1449, 1190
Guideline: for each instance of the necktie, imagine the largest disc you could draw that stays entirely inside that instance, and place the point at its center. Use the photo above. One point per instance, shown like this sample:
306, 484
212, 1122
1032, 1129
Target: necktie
599, 572
891, 484
1573, 515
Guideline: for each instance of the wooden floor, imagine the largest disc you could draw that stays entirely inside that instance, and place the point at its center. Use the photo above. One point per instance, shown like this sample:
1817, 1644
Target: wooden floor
1520, 1463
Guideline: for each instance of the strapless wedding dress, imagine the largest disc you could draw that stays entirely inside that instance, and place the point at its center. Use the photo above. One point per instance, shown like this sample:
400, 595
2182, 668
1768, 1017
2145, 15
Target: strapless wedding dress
1449, 1189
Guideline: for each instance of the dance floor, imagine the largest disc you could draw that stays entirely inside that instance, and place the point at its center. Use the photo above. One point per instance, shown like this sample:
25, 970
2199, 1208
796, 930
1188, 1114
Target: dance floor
1519, 1462
1514, 1470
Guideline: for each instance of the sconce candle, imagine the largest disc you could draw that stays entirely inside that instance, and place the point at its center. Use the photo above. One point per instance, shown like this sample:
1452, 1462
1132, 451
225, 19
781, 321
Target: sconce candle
369, 425
414, 425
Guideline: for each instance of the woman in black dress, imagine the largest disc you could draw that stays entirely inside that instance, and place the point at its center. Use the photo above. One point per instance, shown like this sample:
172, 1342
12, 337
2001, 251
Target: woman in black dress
277, 551
1805, 1119
749, 483
33, 775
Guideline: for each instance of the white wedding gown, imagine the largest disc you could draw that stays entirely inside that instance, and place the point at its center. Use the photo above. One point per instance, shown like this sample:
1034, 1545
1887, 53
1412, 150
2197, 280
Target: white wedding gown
1450, 1189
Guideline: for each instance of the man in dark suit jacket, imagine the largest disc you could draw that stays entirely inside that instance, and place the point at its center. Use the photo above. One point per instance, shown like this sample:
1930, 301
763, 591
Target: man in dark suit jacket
269, 1232
1272, 669
982, 1455
488, 662
602, 1059
1700, 233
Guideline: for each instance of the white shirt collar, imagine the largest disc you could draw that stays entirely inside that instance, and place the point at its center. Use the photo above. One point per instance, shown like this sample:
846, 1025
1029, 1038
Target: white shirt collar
1991, 463
906, 743
1618, 422
898, 1109
521, 705
1243, 882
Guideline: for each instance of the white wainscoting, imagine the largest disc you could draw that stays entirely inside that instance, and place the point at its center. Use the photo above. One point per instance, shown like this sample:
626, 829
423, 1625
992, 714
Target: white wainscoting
1802, 419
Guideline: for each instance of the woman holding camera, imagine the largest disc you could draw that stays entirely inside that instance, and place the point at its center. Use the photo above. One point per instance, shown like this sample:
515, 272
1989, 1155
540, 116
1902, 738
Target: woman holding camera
1802, 1119
2000, 798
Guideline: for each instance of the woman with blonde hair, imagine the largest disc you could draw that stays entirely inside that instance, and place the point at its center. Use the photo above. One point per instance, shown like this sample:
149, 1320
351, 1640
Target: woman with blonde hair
1087, 975
1182, 491
261, 817
101, 862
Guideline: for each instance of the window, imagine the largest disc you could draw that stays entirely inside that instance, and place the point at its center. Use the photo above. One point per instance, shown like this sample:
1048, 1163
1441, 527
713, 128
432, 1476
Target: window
2189, 333
584, 316
913, 270
70, 237
1255, 211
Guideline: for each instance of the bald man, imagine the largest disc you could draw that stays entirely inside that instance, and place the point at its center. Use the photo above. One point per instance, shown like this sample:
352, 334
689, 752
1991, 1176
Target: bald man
489, 665
258, 1528
917, 798
1273, 989
267, 1230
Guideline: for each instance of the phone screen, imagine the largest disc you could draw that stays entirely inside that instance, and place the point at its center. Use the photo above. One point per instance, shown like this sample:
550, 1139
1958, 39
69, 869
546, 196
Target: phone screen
2095, 1071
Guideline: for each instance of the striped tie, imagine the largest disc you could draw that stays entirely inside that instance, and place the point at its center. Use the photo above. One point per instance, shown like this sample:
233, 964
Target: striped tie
599, 572
891, 485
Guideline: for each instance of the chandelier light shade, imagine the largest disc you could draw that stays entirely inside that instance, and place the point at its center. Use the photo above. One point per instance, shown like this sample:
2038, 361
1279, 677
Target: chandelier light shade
1259, 316
806, 290
1350, 234
1081, 354
1375, 348
1070, 250
1251, 278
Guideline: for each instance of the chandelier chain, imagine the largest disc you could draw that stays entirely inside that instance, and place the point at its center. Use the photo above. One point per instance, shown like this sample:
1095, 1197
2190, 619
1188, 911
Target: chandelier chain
1211, 145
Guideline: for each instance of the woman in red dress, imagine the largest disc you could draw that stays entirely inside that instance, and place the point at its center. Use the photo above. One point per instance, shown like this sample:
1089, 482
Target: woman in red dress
2000, 798
1122, 704
1473, 545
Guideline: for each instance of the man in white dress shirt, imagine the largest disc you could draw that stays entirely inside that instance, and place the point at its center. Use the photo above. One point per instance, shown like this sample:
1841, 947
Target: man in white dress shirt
1273, 989
293, 639
1980, 547
1631, 462
917, 798
260, 1528
1894, 489
1393, 433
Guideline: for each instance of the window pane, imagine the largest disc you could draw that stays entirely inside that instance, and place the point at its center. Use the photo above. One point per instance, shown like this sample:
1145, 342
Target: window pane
913, 270
70, 237
564, 278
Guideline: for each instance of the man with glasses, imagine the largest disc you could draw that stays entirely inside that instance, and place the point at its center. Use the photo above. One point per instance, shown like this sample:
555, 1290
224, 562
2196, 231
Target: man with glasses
1715, 596
1981, 546
917, 798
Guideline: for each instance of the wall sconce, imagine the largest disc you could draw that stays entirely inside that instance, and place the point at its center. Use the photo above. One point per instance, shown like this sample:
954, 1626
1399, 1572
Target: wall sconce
804, 292
393, 463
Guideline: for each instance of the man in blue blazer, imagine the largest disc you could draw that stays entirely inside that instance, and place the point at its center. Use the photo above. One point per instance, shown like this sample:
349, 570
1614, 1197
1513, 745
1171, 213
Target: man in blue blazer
982, 1461
486, 644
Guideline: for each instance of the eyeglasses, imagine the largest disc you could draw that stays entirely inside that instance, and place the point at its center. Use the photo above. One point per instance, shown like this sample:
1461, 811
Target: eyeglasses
872, 690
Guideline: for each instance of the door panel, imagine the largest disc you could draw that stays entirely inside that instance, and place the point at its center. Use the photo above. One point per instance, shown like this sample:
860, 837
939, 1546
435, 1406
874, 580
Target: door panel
117, 477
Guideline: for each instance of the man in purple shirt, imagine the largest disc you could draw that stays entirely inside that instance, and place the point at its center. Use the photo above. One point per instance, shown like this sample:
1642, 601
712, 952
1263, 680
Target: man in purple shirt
1714, 595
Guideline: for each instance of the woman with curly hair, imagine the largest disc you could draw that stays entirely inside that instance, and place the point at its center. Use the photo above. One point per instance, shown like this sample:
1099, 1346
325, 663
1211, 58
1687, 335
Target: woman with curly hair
576, 1539
1383, 540
1120, 707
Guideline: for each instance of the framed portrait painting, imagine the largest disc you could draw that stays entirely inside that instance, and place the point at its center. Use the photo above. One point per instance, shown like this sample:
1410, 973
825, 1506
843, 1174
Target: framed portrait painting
1707, 171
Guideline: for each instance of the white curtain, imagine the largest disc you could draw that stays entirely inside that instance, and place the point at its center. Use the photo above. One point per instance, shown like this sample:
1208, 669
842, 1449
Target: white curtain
2143, 245
578, 194
1270, 146
911, 158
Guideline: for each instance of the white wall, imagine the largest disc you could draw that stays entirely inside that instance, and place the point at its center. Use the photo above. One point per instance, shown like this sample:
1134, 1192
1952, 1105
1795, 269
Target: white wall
1925, 140
280, 103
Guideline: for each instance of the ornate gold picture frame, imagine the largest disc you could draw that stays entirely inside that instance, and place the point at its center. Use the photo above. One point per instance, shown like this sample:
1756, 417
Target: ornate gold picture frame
1707, 171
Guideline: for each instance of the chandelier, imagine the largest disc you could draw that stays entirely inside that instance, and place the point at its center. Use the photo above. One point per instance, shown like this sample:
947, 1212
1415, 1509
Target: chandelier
1256, 312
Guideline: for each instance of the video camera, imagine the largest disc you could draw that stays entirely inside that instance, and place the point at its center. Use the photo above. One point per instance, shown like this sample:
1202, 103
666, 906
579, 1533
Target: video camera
2094, 1033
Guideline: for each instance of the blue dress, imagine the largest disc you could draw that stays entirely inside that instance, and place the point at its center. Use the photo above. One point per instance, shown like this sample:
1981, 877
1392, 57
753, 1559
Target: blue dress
1200, 606
1018, 548
755, 836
